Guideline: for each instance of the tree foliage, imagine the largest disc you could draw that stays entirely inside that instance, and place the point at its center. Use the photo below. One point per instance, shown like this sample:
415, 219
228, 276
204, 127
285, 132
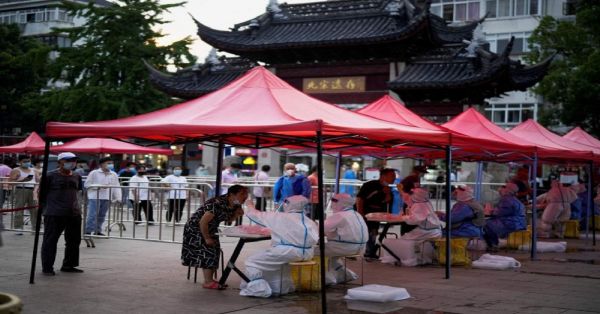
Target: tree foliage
573, 81
104, 68
23, 63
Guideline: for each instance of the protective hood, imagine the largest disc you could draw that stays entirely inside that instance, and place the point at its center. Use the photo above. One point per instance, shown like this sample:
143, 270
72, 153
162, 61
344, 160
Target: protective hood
340, 202
509, 189
464, 194
419, 195
295, 204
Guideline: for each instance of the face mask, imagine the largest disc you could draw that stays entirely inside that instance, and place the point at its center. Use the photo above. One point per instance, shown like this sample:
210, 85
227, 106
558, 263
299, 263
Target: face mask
236, 202
177, 173
289, 173
69, 165
141, 173
26, 165
132, 169
110, 166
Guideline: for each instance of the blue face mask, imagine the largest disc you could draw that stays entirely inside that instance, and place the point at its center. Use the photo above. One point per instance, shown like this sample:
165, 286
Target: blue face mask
177, 173
69, 165
26, 164
110, 166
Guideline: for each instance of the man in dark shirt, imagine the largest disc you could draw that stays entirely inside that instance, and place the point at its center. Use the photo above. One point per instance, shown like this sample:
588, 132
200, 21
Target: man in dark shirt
375, 196
522, 181
62, 213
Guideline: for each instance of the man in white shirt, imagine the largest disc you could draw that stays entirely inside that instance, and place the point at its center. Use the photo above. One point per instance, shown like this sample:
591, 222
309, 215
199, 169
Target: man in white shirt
177, 196
230, 176
99, 198
259, 191
139, 194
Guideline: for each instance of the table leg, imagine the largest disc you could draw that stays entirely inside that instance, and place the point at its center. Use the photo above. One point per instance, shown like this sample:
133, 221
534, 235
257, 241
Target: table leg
231, 264
386, 227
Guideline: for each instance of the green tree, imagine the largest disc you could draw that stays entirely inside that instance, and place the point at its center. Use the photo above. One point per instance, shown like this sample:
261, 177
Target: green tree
23, 64
104, 68
573, 81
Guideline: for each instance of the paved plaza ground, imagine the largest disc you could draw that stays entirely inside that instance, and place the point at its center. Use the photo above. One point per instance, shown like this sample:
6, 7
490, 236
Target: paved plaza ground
133, 276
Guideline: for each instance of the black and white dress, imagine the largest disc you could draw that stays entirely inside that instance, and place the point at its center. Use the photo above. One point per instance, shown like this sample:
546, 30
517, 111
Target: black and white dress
194, 251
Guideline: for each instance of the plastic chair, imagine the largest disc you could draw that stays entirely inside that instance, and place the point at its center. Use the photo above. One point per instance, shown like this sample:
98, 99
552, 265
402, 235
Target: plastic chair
300, 265
196, 268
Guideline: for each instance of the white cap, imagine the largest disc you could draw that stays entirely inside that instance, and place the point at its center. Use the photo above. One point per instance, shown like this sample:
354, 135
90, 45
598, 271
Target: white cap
66, 155
295, 204
419, 195
340, 202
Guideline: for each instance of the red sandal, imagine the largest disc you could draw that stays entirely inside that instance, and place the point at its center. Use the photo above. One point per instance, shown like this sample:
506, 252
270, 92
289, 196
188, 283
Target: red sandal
213, 285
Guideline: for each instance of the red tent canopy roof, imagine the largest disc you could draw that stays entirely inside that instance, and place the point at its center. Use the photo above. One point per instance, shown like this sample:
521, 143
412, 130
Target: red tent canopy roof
474, 124
258, 103
535, 132
107, 145
33, 144
582, 137
389, 109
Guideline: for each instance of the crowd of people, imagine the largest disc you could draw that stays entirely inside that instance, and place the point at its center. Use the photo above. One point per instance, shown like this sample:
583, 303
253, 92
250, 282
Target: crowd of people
292, 222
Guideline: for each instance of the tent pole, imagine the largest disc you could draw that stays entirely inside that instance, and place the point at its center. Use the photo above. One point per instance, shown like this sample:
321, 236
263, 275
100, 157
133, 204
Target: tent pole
41, 203
219, 166
479, 183
534, 208
448, 199
338, 164
591, 210
321, 210
184, 158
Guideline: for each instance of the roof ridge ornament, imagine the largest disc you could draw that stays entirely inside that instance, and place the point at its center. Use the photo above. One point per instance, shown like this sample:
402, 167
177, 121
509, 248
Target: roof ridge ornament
394, 6
478, 40
274, 8
212, 57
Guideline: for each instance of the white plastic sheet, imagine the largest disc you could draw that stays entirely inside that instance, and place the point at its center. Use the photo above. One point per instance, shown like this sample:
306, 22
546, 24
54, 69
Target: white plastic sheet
377, 293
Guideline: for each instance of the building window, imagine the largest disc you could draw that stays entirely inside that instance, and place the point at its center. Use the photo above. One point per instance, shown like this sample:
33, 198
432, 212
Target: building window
56, 41
456, 10
502, 8
498, 42
35, 16
509, 115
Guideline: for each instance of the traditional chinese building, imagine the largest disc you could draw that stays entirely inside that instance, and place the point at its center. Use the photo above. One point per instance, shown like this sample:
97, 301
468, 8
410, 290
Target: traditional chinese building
351, 52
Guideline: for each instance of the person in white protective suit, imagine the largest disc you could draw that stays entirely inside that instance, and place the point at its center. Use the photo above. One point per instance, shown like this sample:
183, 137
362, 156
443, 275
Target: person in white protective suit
410, 247
347, 234
293, 237
557, 202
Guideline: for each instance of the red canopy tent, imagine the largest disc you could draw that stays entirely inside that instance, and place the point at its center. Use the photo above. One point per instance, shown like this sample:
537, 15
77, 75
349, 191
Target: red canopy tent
259, 110
582, 137
534, 132
257, 107
33, 144
107, 145
392, 110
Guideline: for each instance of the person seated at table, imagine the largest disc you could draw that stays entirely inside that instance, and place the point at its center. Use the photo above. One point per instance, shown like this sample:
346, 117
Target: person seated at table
557, 210
347, 234
467, 215
507, 216
428, 226
201, 246
580, 203
293, 237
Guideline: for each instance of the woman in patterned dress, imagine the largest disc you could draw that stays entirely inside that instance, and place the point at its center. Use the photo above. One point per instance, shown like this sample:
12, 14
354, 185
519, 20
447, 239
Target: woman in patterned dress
201, 245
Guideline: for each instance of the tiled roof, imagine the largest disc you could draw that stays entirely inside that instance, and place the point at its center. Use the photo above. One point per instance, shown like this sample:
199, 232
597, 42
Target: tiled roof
335, 27
476, 77
200, 79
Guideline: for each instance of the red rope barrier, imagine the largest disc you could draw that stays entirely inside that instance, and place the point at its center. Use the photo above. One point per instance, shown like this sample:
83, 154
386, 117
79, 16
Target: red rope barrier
8, 210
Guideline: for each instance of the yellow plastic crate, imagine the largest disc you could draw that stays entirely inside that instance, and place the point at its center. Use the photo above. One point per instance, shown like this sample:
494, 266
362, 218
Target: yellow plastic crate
458, 251
572, 229
307, 275
517, 238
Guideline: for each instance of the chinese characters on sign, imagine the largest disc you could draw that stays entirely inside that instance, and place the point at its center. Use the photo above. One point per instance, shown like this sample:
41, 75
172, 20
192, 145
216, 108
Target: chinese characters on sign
326, 85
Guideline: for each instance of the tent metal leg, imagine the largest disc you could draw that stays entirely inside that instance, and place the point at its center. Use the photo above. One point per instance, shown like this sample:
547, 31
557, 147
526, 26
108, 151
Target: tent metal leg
533, 180
321, 210
591, 210
448, 199
338, 170
219, 166
42, 203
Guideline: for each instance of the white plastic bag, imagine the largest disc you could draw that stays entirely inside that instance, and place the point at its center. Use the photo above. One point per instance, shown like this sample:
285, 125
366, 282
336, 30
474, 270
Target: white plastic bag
377, 293
544, 247
488, 261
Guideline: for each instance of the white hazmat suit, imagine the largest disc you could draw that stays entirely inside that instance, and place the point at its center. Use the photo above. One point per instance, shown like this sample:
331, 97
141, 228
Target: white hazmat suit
558, 209
347, 234
410, 247
293, 236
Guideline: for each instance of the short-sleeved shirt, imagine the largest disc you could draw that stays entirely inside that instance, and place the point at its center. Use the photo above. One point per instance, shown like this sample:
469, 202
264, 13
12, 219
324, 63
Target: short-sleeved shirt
63, 192
409, 183
373, 196
177, 183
